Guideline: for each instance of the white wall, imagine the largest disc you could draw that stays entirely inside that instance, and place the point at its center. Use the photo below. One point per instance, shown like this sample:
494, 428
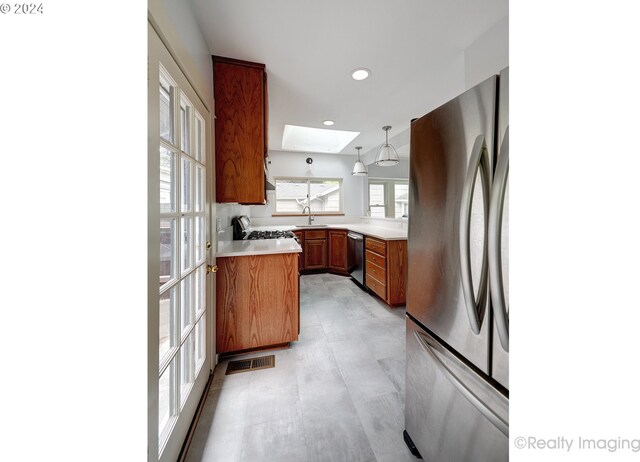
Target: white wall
293, 164
488, 54
397, 171
178, 26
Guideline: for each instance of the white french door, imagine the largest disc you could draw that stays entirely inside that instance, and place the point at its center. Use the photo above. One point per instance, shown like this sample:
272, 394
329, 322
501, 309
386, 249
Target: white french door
179, 359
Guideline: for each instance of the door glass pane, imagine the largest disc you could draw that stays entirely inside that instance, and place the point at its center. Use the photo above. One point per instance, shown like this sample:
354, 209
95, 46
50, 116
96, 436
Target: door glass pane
166, 114
167, 181
187, 367
291, 195
167, 320
200, 343
200, 182
186, 243
325, 195
199, 239
200, 290
185, 126
199, 138
401, 195
167, 250
186, 185
186, 303
165, 392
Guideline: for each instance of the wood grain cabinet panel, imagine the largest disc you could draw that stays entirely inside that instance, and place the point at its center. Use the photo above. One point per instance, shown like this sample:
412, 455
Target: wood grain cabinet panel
257, 301
396, 273
378, 272
300, 237
378, 287
338, 251
315, 253
239, 89
315, 234
386, 269
376, 245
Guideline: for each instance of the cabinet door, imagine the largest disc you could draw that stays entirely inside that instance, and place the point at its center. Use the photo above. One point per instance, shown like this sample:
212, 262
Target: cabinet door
338, 251
315, 254
240, 131
300, 237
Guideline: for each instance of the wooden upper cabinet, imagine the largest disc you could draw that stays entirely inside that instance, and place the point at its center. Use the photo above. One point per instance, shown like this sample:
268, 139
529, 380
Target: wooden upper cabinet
338, 251
239, 89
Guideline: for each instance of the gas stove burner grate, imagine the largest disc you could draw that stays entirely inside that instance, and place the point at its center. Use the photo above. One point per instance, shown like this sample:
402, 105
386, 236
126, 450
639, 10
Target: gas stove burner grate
270, 235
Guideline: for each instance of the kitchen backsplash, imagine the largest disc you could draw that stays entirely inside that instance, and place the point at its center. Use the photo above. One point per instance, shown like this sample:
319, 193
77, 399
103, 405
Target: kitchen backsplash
224, 214
386, 222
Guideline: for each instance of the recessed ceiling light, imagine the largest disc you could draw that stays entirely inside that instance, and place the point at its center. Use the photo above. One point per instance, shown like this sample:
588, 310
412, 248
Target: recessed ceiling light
360, 73
328, 122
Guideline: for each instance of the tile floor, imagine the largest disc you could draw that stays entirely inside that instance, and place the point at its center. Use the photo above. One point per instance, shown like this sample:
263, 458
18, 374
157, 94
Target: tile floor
335, 395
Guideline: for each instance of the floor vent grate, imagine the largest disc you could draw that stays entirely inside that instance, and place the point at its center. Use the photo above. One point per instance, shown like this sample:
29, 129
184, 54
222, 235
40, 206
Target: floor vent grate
251, 364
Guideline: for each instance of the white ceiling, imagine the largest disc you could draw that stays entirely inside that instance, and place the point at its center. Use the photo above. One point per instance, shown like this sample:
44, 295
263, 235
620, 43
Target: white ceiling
414, 49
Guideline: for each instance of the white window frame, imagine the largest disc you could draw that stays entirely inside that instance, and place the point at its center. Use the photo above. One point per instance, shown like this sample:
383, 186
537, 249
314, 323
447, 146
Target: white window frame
389, 193
309, 180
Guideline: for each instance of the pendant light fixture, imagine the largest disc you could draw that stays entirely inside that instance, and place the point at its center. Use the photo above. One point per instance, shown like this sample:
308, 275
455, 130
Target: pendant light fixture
359, 169
387, 155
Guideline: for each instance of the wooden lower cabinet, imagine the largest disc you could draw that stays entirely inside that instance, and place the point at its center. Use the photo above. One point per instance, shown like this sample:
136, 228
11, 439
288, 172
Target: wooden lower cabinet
338, 251
300, 237
386, 269
257, 301
315, 250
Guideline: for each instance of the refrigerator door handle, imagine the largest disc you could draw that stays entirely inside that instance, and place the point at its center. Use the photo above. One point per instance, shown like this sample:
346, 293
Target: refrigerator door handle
496, 209
479, 161
482, 407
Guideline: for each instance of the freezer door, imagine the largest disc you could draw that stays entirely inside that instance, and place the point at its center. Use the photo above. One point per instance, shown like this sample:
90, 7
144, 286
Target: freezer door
448, 203
499, 240
451, 413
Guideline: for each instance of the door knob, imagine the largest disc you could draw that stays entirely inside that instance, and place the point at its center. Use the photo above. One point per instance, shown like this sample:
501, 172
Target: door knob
212, 269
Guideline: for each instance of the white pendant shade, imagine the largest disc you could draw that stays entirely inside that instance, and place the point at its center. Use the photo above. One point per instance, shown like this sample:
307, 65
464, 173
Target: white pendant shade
359, 169
387, 155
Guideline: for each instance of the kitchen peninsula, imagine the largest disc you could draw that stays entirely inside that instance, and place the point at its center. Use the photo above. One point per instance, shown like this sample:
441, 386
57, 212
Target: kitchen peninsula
257, 298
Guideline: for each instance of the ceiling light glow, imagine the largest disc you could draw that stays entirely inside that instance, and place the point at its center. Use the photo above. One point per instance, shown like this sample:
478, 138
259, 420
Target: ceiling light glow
328, 122
360, 73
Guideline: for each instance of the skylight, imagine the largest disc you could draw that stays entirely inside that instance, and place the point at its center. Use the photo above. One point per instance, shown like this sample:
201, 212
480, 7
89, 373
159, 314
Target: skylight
309, 139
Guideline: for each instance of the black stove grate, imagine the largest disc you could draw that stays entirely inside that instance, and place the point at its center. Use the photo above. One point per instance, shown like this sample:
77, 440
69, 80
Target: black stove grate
271, 235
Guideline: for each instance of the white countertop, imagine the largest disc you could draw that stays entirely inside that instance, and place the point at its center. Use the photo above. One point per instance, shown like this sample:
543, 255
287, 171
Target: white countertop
257, 247
380, 232
272, 246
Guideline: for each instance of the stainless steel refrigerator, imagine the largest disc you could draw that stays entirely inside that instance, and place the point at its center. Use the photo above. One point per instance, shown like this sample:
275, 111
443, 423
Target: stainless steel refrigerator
457, 377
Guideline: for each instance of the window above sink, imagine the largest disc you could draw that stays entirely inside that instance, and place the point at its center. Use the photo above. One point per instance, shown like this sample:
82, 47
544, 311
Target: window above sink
293, 194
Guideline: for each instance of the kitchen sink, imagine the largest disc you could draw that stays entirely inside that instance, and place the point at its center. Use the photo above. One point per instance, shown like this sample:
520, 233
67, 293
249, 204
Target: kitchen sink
311, 226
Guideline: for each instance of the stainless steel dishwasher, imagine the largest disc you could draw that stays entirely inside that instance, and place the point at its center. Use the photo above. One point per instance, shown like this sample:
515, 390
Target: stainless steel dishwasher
355, 257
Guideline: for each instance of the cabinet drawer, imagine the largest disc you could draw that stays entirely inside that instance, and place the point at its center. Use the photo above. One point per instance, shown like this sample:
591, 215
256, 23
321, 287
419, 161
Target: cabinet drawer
377, 259
377, 286
376, 245
315, 234
377, 272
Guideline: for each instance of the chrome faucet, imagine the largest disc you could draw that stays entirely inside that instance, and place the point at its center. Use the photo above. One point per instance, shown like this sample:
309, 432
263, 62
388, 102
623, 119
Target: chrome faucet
310, 217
